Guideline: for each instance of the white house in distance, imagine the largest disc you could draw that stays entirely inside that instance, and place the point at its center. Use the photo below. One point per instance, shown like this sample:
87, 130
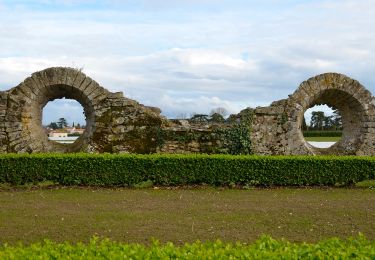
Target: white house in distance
58, 133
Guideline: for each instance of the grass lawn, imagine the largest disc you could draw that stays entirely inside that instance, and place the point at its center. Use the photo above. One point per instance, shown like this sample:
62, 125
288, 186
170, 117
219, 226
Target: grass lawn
323, 139
185, 215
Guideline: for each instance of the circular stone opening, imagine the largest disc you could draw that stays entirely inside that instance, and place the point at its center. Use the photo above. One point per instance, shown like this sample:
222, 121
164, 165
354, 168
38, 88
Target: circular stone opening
351, 112
56, 92
322, 126
63, 120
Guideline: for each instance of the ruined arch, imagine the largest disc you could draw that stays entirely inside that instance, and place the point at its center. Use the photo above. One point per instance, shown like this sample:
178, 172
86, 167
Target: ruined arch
114, 123
26, 102
343, 93
276, 129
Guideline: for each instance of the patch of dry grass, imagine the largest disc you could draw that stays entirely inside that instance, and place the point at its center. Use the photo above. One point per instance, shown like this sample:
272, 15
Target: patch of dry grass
185, 215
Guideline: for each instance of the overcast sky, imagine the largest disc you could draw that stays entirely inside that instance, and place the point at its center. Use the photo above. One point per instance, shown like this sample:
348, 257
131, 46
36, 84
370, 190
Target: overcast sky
188, 56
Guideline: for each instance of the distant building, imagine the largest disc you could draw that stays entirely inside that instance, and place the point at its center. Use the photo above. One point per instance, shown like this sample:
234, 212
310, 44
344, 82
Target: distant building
58, 133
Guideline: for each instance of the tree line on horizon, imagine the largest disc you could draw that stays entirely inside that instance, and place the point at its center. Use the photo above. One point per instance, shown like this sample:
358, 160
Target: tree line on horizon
321, 122
63, 123
217, 115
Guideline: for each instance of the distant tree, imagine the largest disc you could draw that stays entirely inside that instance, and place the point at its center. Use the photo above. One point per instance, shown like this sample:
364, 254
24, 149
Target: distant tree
78, 125
199, 118
328, 122
336, 120
62, 123
317, 120
53, 125
219, 110
73, 124
217, 118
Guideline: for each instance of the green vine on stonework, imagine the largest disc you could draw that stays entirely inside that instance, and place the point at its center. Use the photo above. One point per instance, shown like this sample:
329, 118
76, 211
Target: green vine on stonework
233, 138
160, 139
236, 138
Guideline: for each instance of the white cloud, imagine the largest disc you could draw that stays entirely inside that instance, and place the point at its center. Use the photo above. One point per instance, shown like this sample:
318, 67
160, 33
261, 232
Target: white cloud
14, 70
238, 54
204, 57
199, 105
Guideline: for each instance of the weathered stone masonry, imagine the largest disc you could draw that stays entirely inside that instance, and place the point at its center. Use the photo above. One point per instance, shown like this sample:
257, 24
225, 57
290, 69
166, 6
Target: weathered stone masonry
113, 122
117, 124
277, 128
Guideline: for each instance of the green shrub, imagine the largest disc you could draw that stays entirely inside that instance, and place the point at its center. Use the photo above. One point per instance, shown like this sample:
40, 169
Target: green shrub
234, 140
130, 169
317, 133
263, 248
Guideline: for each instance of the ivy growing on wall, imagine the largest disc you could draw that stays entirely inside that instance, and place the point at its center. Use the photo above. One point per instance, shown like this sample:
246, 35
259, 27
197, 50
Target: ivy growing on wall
236, 139
231, 137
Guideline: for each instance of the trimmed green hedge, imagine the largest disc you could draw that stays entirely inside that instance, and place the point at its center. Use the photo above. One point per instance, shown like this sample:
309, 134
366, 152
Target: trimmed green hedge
129, 170
263, 248
322, 133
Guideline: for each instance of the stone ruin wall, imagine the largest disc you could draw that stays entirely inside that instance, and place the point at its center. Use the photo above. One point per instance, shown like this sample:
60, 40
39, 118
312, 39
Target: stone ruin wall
117, 124
179, 136
113, 123
277, 128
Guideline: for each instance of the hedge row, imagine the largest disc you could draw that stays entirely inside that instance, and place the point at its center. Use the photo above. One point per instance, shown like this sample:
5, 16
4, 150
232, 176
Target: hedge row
264, 248
322, 133
129, 170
